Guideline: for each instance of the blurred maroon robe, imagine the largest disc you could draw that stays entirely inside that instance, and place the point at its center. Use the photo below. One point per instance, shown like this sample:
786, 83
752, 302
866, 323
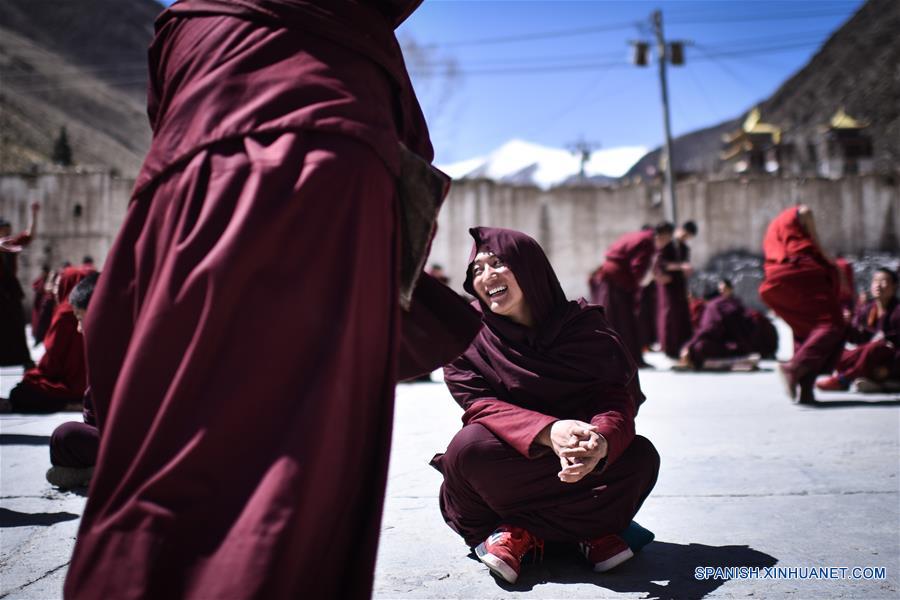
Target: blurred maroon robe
616, 284
878, 359
802, 287
240, 459
673, 315
725, 331
512, 382
13, 343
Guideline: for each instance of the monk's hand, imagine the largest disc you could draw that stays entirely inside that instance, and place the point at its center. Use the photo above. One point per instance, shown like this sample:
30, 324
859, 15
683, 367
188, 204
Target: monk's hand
6, 245
580, 460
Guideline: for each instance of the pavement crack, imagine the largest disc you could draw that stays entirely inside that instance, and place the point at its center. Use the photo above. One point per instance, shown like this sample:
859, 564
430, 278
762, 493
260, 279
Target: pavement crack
33, 581
778, 494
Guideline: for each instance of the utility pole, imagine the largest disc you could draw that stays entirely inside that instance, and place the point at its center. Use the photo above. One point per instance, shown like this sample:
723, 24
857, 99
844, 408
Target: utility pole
665, 52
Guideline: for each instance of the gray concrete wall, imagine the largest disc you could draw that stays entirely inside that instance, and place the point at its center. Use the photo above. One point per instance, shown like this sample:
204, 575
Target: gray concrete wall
574, 224
61, 236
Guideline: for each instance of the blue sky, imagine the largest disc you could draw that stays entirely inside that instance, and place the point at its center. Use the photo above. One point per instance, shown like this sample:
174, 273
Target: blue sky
575, 82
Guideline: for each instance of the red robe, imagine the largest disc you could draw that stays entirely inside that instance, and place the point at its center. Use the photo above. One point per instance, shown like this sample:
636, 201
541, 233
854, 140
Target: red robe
61, 372
512, 383
879, 359
241, 460
673, 315
616, 285
802, 287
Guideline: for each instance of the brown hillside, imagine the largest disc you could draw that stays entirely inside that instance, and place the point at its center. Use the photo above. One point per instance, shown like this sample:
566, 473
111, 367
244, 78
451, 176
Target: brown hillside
81, 65
858, 69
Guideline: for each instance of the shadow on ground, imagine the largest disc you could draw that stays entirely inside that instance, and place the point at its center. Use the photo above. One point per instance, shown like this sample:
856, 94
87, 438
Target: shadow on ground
13, 518
662, 570
855, 403
19, 439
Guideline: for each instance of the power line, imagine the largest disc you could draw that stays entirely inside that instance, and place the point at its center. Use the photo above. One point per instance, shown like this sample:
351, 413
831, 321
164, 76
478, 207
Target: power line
540, 35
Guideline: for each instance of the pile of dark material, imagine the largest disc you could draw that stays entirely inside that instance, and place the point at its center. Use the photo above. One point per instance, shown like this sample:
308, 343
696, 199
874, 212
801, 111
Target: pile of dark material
745, 271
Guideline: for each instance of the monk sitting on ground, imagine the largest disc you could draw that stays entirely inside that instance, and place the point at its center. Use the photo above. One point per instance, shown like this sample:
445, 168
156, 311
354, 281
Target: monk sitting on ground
723, 340
74, 446
802, 285
548, 449
874, 365
60, 376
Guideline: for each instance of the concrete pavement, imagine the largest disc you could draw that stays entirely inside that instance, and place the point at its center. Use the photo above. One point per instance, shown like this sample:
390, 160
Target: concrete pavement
747, 479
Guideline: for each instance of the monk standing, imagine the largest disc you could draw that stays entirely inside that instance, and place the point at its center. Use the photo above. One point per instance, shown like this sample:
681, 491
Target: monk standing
13, 345
240, 460
802, 286
673, 313
618, 281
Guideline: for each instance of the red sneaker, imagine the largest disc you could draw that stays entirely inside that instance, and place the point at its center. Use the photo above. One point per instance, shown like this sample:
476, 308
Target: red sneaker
832, 384
502, 552
606, 552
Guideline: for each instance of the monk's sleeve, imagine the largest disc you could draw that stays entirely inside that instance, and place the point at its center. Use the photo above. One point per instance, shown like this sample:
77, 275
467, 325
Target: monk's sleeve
517, 426
615, 422
860, 332
640, 261
57, 341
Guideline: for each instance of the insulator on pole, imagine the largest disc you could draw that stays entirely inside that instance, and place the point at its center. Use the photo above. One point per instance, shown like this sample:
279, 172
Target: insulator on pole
640, 53
676, 53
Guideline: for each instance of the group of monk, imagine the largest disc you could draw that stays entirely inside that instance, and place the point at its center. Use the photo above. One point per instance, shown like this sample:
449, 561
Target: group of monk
59, 380
643, 286
289, 181
803, 285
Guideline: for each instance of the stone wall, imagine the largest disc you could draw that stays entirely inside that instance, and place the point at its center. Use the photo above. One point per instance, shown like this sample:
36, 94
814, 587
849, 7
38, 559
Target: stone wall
574, 224
855, 215
80, 215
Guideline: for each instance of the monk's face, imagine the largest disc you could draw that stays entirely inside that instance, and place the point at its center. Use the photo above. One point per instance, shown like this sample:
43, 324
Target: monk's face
79, 314
497, 287
882, 288
662, 240
724, 289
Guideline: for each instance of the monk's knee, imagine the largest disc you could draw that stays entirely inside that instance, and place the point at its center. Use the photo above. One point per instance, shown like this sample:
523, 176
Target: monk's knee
645, 456
471, 452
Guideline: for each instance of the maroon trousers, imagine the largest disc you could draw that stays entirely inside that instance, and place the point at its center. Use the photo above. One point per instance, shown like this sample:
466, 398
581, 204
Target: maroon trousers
74, 445
646, 319
875, 360
673, 318
705, 348
487, 483
620, 306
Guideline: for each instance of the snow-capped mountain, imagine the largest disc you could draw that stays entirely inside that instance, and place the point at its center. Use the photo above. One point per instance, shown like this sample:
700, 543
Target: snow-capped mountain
521, 162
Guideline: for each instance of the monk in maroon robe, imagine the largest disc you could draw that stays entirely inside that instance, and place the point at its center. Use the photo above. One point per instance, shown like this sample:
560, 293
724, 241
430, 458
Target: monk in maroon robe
74, 446
764, 339
616, 284
874, 365
60, 376
673, 314
725, 331
548, 449
13, 343
241, 460
801, 285
39, 295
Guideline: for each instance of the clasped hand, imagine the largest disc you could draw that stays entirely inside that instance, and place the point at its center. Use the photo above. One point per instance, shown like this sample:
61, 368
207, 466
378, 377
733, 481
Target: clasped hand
578, 445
